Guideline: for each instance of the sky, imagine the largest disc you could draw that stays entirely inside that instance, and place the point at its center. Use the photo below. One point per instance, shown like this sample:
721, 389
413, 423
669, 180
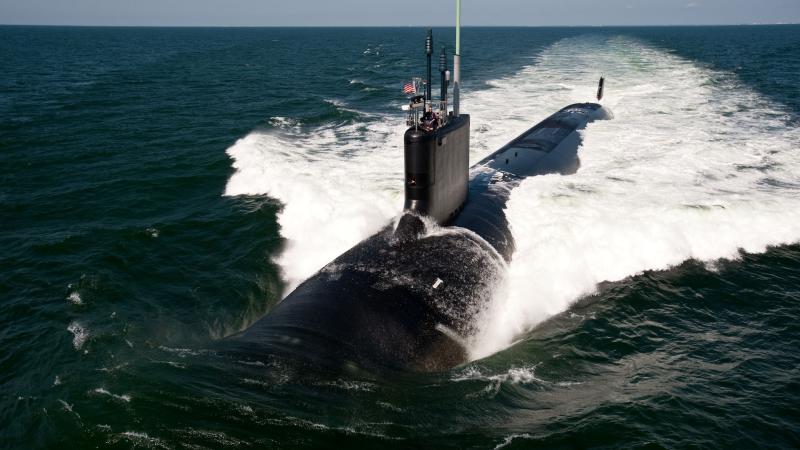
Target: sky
396, 13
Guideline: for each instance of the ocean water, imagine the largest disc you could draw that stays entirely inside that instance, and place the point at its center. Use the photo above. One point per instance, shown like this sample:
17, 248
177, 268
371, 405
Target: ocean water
164, 188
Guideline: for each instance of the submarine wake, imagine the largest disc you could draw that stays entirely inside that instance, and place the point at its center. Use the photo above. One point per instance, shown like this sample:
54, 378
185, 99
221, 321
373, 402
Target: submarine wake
336, 187
691, 167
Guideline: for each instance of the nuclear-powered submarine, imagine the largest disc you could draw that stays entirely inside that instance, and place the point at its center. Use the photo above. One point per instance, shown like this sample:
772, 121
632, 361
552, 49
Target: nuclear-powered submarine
409, 296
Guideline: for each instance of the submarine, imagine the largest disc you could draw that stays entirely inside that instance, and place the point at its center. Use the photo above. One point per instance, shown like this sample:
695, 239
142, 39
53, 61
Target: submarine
409, 297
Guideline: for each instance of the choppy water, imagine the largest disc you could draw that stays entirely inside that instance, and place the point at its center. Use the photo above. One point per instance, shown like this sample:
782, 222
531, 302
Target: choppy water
163, 188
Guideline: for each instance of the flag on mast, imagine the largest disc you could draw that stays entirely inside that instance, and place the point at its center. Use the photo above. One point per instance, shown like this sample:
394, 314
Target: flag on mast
409, 88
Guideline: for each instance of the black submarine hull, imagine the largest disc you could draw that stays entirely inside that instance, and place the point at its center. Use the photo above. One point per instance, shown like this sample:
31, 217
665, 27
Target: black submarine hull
410, 297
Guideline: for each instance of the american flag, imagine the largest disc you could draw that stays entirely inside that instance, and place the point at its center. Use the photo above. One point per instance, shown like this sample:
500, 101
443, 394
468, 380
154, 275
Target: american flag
409, 88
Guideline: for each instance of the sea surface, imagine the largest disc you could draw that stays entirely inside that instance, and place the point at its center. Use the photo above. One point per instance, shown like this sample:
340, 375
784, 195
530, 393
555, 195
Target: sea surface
161, 189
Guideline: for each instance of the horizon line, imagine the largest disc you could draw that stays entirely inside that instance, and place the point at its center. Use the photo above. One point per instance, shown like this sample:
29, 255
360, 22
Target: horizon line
397, 26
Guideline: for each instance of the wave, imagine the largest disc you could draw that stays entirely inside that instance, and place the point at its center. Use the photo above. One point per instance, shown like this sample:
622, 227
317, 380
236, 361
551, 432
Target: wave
338, 184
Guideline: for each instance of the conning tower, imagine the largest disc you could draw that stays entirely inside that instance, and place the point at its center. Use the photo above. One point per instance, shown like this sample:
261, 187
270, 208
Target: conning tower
437, 146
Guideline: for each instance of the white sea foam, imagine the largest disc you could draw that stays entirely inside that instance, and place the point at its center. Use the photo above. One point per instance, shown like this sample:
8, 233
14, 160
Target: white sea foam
79, 334
348, 385
75, 298
493, 382
508, 440
513, 375
338, 184
141, 439
67, 406
694, 165
101, 391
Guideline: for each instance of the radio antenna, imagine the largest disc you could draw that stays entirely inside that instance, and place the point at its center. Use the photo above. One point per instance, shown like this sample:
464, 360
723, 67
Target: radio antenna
428, 52
457, 62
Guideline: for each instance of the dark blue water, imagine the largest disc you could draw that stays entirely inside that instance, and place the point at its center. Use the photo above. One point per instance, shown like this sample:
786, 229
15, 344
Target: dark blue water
123, 263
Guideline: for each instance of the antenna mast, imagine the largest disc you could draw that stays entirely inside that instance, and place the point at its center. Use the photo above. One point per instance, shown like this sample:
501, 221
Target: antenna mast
457, 62
443, 98
428, 52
